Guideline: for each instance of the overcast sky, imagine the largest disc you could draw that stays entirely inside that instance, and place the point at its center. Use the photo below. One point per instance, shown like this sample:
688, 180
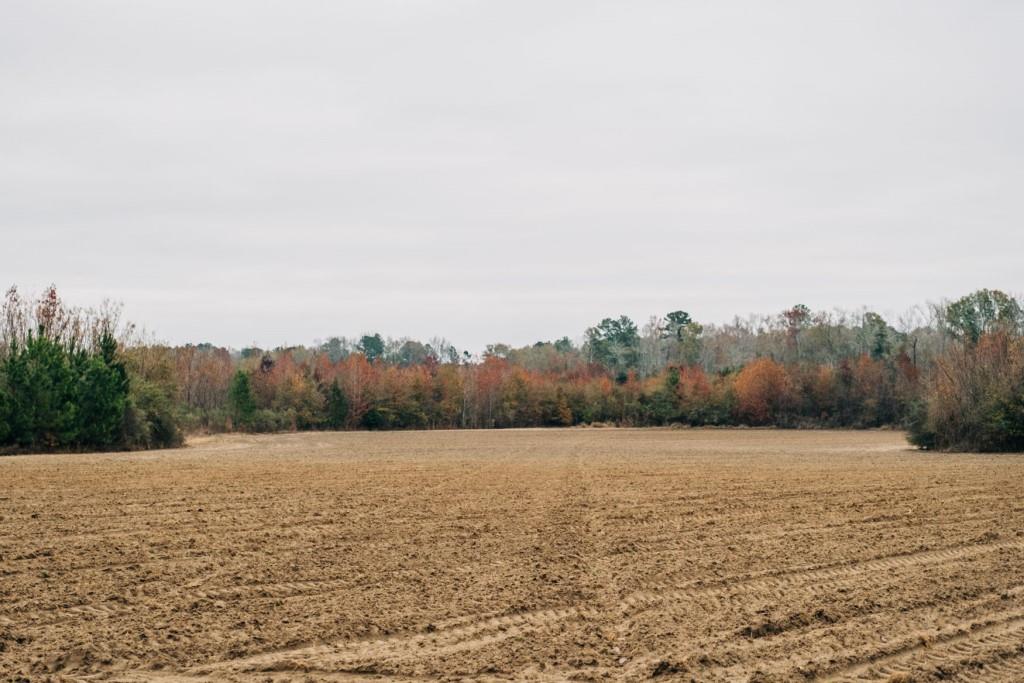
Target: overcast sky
241, 172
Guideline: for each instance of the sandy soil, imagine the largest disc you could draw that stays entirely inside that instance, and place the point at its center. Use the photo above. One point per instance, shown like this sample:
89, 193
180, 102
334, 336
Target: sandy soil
511, 555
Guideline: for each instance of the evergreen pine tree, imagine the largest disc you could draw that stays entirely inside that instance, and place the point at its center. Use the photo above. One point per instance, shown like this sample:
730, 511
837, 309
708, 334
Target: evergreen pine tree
240, 400
337, 406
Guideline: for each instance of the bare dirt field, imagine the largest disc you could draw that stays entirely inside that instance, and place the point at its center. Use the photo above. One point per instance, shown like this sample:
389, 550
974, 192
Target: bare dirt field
515, 555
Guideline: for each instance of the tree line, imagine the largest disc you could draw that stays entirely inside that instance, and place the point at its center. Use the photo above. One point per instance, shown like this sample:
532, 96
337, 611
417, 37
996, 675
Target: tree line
66, 382
951, 373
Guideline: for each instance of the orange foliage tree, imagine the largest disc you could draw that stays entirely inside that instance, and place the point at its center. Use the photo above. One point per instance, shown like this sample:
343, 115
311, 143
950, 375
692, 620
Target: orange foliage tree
764, 392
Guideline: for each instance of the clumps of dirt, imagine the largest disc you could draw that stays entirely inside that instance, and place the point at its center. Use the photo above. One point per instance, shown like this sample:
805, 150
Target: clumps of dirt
10, 639
34, 554
74, 660
772, 626
665, 668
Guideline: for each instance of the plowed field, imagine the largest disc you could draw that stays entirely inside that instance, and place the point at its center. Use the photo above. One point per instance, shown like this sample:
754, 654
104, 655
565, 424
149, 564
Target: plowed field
515, 555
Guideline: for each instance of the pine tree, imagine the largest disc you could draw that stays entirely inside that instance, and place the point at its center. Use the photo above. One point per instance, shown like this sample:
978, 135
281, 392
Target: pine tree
240, 400
102, 395
42, 399
337, 406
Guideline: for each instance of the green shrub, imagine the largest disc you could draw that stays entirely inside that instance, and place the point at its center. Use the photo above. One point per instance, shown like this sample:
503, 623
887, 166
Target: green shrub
150, 420
266, 420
